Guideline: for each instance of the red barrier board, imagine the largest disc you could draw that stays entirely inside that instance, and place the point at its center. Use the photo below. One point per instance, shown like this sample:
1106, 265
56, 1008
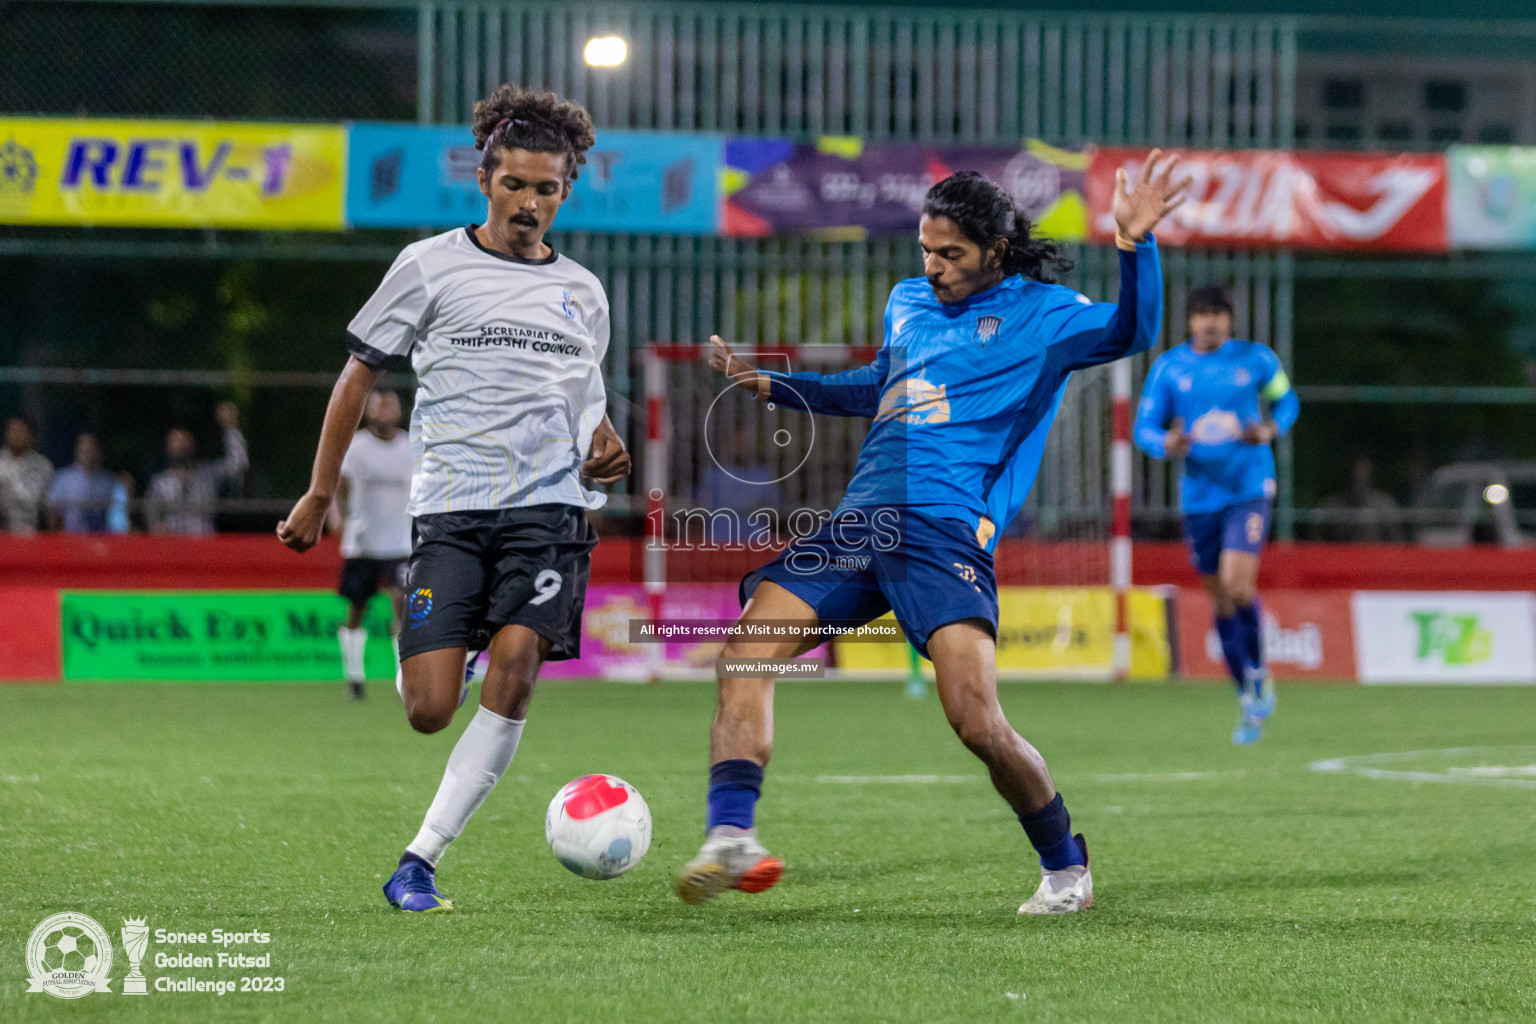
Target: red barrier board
1296, 199
30, 648
258, 561
1307, 635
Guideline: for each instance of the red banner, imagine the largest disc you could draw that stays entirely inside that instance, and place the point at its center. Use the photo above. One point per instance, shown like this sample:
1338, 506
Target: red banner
1295, 199
30, 645
1307, 635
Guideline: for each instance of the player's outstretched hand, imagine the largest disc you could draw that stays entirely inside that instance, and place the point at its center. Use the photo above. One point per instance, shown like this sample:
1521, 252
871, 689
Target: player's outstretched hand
733, 366
1176, 442
1138, 209
1259, 432
608, 462
301, 530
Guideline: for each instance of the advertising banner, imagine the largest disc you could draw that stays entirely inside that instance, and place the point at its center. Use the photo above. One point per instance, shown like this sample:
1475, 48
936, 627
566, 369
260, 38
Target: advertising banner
403, 175
1493, 197
843, 187
606, 650
214, 635
1307, 635
1048, 633
29, 642
1297, 199
1412, 637
171, 174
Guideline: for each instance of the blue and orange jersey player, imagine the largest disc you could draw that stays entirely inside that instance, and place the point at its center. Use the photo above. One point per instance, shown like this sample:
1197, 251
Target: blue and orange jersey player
961, 394
1204, 400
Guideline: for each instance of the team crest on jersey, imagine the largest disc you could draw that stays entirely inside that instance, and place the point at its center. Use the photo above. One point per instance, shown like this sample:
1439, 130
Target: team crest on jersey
986, 329
419, 606
568, 304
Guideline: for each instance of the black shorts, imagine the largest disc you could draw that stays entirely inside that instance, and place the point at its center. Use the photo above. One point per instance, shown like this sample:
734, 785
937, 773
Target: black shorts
361, 578
473, 572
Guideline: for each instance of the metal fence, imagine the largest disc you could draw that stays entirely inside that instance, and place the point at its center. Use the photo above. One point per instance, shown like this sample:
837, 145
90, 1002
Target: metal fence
882, 73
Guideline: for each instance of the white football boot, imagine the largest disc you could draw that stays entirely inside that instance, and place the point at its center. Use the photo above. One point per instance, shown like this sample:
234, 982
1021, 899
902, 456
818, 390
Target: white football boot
1063, 892
731, 858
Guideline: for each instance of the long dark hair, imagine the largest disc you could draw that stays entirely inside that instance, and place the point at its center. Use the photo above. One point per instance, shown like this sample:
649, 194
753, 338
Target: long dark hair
985, 212
540, 122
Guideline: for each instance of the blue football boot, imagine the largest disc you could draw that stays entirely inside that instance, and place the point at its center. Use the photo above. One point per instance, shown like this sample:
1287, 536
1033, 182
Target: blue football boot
1264, 700
413, 887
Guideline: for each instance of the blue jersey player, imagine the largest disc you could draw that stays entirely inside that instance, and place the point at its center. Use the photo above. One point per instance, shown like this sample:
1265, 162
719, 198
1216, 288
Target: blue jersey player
975, 359
1202, 401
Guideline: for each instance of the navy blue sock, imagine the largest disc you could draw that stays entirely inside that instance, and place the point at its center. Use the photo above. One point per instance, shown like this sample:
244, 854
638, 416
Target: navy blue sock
734, 787
1234, 646
1250, 615
407, 857
1050, 832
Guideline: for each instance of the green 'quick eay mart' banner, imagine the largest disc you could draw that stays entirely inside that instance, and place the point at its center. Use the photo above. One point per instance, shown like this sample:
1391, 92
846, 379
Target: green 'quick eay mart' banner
274, 635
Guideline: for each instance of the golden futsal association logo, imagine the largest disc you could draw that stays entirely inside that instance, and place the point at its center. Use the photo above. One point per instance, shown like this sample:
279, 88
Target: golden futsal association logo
69, 956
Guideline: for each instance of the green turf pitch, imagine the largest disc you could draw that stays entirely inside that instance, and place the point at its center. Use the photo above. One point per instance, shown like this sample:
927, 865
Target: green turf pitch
1232, 884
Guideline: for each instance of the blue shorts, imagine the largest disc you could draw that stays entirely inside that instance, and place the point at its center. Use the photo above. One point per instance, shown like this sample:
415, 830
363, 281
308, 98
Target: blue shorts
855, 568
1240, 527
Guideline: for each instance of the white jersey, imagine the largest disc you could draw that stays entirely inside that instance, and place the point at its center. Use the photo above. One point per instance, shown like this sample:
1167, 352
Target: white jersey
509, 354
378, 475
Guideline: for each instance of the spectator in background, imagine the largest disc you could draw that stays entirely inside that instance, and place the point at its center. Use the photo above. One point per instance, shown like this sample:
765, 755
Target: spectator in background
24, 478
1375, 518
181, 499
85, 498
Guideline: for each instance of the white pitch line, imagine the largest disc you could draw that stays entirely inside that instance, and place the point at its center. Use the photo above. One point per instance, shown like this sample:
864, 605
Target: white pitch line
1365, 765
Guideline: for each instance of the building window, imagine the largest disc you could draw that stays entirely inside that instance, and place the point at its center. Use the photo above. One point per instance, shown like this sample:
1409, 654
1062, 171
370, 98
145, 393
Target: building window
1496, 133
1398, 132
1343, 133
1343, 94
1443, 134
1443, 94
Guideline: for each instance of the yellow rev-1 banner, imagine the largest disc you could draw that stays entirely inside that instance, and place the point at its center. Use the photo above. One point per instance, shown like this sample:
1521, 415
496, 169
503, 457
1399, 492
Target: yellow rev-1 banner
1049, 632
171, 174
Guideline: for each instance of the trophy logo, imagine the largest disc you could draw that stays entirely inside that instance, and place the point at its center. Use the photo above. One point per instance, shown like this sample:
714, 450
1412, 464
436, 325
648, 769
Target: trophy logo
135, 940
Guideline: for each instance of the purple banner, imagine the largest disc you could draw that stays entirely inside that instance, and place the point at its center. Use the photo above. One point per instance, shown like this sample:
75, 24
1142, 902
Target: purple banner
845, 188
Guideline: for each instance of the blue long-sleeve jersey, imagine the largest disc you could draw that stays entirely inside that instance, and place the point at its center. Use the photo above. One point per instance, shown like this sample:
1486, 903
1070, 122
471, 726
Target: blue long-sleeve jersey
962, 395
1217, 394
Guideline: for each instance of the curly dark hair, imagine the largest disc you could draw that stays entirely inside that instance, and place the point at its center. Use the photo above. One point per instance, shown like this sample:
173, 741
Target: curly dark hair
541, 122
984, 212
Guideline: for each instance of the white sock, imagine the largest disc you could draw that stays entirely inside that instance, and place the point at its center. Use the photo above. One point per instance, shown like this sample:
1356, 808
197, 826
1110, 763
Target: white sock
352, 642
478, 761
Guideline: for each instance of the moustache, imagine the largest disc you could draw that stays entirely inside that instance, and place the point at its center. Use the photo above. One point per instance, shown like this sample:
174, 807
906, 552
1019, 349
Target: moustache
526, 219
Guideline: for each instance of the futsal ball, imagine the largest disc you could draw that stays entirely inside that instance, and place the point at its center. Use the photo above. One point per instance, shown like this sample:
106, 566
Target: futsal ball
598, 826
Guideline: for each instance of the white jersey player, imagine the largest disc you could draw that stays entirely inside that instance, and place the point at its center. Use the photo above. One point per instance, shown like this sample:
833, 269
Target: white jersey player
507, 338
370, 514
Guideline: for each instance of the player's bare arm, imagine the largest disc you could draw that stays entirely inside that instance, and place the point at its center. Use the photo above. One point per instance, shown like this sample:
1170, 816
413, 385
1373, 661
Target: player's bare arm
738, 369
1176, 442
301, 530
609, 461
1260, 432
1138, 209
